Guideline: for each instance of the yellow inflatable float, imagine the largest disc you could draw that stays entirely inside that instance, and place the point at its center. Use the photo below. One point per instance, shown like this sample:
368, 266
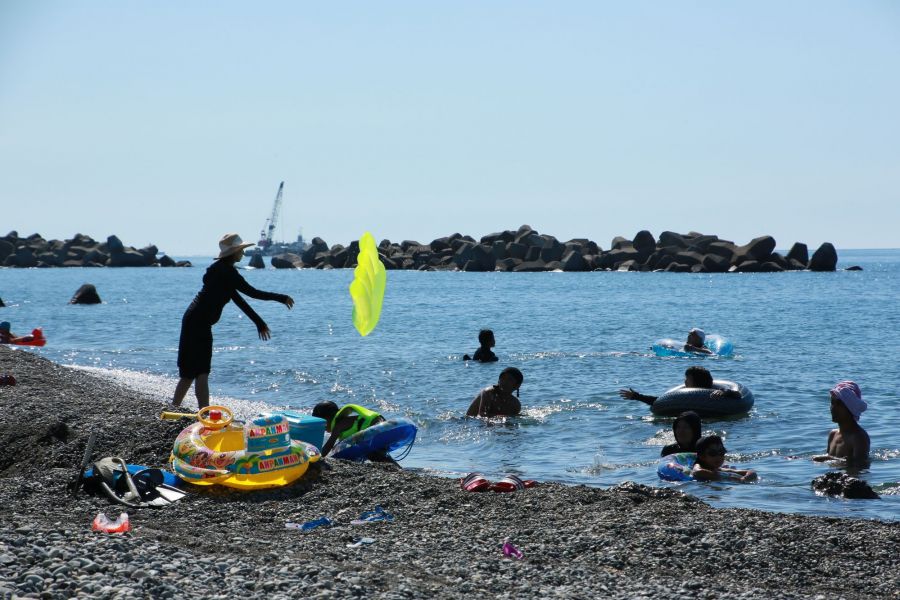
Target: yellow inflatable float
367, 287
257, 455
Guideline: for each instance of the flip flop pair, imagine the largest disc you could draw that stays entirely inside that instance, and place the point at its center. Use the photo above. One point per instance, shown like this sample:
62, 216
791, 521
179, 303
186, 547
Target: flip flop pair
476, 482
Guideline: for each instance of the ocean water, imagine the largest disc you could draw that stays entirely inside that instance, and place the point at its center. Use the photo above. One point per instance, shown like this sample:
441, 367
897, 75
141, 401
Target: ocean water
577, 337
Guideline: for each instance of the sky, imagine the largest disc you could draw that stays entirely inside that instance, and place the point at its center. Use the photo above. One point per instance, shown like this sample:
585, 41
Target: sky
172, 123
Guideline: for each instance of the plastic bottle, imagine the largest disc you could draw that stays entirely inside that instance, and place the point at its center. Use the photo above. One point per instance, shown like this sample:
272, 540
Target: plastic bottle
103, 524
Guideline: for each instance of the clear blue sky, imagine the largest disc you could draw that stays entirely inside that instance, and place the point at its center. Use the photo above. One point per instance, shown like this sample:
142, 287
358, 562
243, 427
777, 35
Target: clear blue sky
173, 122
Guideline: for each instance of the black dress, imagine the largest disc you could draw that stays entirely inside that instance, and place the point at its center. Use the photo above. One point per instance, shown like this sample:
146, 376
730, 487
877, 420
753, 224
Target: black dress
221, 283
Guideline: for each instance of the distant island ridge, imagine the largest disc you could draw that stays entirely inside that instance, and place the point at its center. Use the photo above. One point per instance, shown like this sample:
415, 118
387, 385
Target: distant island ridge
520, 250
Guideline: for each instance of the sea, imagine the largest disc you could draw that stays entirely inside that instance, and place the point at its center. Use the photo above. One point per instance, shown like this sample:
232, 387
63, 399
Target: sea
577, 337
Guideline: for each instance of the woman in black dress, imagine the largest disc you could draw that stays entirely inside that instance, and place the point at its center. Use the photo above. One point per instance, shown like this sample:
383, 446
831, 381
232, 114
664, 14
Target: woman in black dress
221, 283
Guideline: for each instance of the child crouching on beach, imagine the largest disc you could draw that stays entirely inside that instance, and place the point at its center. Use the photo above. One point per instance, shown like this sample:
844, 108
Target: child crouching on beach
711, 457
344, 422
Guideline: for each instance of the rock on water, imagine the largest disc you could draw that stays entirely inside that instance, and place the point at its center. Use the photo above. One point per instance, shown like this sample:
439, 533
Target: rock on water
841, 484
86, 294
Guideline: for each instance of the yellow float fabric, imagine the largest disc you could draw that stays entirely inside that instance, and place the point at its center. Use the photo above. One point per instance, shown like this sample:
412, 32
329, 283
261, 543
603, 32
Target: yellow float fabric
367, 288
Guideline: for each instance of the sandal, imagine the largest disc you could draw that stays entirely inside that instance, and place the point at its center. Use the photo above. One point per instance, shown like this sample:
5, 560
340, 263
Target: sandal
512, 483
475, 482
373, 516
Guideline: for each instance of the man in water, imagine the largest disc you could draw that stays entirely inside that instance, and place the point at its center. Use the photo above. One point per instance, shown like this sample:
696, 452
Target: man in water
484, 352
8, 337
694, 377
849, 442
695, 340
498, 400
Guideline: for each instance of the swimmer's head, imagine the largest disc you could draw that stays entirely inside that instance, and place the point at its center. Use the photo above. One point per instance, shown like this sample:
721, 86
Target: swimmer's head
698, 334
510, 380
486, 338
698, 377
711, 451
4, 326
687, 429
326, 410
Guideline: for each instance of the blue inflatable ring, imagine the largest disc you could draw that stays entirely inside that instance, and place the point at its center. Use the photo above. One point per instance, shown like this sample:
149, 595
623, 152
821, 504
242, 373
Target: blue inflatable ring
713, 342
386, 436
676, 467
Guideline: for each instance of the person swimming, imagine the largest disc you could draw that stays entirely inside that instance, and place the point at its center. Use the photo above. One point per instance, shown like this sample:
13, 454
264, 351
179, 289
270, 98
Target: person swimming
710, 458
694, 377
498, 400
687, 428
849, 442
484, 352
695, 339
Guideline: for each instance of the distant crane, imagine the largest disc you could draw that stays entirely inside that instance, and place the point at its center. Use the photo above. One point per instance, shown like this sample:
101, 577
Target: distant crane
267, 235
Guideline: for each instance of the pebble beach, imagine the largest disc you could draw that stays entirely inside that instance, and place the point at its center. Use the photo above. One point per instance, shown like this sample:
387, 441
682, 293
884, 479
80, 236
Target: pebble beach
628, 541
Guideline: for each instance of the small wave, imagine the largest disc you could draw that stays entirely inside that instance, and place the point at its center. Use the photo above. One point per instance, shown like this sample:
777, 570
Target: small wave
161, 388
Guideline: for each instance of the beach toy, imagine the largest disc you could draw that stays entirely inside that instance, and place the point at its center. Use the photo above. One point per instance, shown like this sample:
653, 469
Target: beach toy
680, 399
367, 287
715, 343
511, 551
103, 524
676, 467
385, 436
259, 454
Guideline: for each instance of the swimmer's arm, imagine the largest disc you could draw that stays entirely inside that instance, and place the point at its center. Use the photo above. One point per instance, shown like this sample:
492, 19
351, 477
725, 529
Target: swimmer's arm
827, 456
631, 394
482, 400
701, 474
340, 428
739, 474
697, 349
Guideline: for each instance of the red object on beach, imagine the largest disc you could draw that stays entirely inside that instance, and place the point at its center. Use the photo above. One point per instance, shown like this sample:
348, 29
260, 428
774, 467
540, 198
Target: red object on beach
215, 415
103, 524
7, 380
38, 339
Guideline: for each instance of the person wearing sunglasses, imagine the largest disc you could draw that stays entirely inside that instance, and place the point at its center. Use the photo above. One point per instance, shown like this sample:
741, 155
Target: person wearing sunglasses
710, 463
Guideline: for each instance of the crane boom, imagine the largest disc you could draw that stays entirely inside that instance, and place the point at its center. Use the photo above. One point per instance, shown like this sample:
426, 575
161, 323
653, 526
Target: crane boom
267, 235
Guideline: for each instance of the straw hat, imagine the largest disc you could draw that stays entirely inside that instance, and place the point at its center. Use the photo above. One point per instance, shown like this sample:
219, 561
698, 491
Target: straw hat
231, 243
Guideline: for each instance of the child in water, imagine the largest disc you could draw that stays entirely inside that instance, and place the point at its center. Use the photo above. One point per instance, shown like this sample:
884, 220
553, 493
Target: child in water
687, 428
344, 422
695, 339
711, 457
484, 352
8, 337
849, 442
498, 400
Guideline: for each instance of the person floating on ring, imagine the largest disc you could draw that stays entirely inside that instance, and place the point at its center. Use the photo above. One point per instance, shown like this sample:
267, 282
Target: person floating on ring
221, 283
695, 339
694, 377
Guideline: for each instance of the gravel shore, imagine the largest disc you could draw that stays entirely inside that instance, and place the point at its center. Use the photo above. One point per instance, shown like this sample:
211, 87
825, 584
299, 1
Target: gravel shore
629, 541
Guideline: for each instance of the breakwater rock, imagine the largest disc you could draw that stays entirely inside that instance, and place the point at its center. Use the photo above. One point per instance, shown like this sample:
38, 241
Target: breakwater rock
80, 251
526, 250
843, 485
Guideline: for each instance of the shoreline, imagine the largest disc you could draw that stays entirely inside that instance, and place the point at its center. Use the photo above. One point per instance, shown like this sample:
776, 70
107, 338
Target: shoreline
579, 542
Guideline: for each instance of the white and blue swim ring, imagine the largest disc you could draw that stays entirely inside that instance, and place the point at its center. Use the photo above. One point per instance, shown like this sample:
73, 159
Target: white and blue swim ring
713, 342
676, 467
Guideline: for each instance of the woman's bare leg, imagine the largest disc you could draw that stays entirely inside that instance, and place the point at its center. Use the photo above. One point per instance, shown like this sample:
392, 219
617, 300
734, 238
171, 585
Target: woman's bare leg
201, 389
184, 384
